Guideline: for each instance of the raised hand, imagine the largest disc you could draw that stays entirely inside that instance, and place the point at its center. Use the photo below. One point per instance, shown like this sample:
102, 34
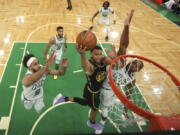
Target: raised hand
80, 49
128, 18
50, 60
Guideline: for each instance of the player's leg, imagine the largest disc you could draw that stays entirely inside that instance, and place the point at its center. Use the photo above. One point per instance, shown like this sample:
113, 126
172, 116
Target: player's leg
69, 5
128, 93
107, 101
60, 98
93, 101
39, 105
100, 21
107, 98
107, 28
27, 103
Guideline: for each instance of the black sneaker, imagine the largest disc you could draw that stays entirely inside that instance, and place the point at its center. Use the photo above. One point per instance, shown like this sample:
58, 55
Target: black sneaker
106, 38
90, 28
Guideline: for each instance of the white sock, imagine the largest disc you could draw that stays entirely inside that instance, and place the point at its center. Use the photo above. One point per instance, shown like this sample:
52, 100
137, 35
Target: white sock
102, 122
107, 30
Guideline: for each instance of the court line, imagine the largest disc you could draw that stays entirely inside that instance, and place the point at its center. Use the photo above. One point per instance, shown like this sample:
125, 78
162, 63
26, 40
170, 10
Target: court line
44, 113
116, 23
144, 98
152, 34
123, 91
114, 124
37, 15
38, 42
7, 61
15, 91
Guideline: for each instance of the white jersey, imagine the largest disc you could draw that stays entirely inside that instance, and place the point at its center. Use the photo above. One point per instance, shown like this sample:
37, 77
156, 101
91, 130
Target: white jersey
58, 43
35, 90
105, 12
169, 3
120, 76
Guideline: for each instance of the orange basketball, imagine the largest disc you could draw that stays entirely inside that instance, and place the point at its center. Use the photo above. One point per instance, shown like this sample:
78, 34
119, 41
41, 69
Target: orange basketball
86, 38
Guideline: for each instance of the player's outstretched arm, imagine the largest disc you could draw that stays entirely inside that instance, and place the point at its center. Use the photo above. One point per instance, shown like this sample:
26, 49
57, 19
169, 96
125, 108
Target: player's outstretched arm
124, 39
86, 65
95, 15
61, 71
51, 42
32, 78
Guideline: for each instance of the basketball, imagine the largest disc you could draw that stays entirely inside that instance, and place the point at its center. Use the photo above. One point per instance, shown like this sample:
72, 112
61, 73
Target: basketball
86, 38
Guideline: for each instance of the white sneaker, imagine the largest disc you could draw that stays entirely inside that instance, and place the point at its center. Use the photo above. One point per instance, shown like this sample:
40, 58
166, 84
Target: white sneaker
98, 132
102, 122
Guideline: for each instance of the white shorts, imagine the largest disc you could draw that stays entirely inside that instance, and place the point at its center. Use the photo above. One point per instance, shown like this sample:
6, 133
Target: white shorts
107, 97
58, 55
37, 103
105, 20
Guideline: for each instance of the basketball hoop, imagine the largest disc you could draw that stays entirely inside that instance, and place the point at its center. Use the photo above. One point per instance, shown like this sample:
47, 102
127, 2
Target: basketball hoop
159, 121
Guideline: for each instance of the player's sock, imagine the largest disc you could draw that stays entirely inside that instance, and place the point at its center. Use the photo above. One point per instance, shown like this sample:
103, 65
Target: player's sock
102, 122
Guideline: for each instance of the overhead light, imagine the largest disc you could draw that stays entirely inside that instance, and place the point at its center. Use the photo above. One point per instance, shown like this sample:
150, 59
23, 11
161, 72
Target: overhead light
114, 34
130, 52
20, 19
1, 52
6, 40
146, 76
157, 90
79, 20
8, 35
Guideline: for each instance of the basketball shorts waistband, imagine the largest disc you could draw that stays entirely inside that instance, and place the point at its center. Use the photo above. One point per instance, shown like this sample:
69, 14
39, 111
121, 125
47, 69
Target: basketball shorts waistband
94, 92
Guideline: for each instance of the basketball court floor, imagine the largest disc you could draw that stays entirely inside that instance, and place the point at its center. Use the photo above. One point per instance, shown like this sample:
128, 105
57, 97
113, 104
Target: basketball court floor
28, 26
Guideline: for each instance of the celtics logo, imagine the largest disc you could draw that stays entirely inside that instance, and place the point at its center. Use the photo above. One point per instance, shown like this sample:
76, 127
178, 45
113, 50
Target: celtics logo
100, 76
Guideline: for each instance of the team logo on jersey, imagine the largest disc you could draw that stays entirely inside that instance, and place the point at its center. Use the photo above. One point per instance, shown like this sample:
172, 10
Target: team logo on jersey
39, 83
100, 76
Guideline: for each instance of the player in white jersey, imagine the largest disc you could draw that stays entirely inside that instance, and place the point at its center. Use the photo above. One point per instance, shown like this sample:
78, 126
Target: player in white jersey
104, 17
124, 72
33, 81
56, 45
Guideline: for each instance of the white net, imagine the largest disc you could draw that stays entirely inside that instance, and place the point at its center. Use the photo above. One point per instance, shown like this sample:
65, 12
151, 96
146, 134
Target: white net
154, 91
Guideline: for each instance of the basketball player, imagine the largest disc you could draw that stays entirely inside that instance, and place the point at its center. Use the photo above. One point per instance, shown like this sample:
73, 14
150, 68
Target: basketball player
95, 70
125, 73
33, 81
69, 5
56, 45
104, 18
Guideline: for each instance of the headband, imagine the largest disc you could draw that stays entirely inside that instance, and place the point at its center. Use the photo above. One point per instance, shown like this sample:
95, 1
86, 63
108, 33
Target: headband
29, 62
